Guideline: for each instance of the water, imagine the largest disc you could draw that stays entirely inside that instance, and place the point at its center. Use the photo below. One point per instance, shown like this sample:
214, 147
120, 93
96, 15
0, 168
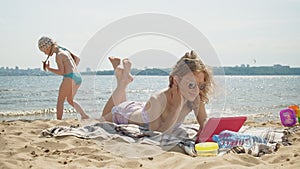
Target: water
34, 97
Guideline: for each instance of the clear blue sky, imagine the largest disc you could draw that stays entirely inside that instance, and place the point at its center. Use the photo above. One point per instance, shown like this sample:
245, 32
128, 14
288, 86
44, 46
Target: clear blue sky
241, 31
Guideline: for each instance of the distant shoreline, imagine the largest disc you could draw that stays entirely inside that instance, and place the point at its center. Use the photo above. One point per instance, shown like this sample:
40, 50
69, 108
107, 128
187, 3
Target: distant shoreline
244, 70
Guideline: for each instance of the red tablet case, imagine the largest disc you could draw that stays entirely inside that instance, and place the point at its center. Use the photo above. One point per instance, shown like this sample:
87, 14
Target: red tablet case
216, 125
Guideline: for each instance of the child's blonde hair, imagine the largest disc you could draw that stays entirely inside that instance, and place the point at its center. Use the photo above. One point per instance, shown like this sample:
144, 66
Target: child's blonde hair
45, 43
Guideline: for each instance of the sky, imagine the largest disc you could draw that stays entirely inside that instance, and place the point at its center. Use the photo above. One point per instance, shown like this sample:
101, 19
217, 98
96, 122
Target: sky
254, 32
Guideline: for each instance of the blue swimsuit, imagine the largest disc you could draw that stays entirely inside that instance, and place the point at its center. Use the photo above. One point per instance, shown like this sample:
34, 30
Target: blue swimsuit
75, 76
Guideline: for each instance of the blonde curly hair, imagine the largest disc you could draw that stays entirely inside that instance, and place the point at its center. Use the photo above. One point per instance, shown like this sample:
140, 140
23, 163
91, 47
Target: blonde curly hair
191, 62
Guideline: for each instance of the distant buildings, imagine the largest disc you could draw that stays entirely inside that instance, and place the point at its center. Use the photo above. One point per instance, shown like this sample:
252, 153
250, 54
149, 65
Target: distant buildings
22, 72
88, 69
243, 69
280, 66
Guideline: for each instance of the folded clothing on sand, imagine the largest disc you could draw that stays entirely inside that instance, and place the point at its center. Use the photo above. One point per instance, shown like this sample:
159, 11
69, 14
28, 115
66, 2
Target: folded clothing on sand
275, 138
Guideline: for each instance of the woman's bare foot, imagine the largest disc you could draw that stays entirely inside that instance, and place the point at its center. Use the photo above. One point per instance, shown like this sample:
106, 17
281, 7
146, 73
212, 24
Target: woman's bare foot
126, 73
115, 62
117, 67
122, 73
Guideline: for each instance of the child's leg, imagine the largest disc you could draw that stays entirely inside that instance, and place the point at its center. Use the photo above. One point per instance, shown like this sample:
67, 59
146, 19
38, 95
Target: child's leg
74, 103
59, 108
62, 94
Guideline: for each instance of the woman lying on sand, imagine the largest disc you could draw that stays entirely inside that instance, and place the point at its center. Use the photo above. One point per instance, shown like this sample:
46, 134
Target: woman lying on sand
190, 82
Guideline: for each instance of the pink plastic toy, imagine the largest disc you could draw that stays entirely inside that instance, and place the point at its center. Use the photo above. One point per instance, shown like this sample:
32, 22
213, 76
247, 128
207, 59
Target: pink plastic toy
288, 117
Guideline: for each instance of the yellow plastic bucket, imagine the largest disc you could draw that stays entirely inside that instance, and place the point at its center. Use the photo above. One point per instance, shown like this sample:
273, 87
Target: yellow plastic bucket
207, 149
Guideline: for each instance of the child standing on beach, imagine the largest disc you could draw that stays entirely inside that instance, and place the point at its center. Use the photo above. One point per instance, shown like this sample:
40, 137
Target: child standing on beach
190, 82
67, 67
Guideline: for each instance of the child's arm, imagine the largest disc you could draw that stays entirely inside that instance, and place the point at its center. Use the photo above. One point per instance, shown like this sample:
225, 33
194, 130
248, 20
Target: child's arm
75, 58
60, 67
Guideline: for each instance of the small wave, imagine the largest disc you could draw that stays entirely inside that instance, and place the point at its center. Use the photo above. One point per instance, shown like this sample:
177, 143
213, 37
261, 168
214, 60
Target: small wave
281, 106
6, 90
35, 112
263, 117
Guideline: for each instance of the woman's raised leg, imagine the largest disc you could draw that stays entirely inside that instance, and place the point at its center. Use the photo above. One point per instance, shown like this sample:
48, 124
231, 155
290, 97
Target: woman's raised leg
123, 77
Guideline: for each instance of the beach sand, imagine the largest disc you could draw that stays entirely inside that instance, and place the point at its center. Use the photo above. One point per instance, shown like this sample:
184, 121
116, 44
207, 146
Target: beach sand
21, 147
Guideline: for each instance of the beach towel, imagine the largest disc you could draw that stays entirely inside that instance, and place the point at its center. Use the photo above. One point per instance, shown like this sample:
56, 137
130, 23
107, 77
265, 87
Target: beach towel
129, 133
183, 137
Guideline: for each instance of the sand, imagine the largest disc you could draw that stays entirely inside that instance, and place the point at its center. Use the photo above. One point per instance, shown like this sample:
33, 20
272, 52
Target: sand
21, 147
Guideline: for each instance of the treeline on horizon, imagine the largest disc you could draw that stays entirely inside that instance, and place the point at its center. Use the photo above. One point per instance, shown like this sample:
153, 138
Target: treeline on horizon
215, 70
263, 70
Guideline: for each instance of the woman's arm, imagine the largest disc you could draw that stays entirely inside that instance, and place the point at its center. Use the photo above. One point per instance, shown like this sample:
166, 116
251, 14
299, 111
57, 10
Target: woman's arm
201, 115
59, 62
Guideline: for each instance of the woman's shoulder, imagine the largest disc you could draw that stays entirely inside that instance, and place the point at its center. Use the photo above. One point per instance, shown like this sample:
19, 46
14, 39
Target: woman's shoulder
159, 93
160, 96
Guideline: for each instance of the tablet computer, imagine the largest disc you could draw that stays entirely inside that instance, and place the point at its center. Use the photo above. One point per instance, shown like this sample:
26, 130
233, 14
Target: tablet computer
216, 125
